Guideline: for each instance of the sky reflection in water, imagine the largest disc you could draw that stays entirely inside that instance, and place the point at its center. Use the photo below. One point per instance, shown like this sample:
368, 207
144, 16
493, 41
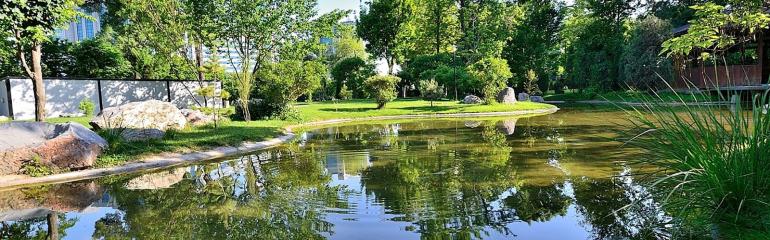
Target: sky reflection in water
558, 176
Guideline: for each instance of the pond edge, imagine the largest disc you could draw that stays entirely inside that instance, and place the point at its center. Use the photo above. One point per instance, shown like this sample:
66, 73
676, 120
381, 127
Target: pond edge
167, 160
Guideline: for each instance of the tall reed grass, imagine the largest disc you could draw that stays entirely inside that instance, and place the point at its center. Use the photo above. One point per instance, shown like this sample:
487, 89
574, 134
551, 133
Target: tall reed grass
714, 161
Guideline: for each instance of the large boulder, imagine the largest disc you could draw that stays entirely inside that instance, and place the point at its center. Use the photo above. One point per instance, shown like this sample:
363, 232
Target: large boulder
472, 99
507, 96
141, 120
196, 117
508, 126
67, 146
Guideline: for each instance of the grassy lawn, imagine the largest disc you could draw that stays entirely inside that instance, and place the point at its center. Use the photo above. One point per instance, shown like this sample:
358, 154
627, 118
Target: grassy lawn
627, 96
231, 133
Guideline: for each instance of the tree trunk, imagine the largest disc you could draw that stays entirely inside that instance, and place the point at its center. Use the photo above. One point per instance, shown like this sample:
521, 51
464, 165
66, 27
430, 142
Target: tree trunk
53, 226
199, 68
38, 86
246, 112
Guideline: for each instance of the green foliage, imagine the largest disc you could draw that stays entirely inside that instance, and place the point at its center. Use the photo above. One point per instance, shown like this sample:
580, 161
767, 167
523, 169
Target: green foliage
492, 74
713, 162
99, 57
35, 168
431, 90
594, 38
284, 82
207, 91
530, 85
380, 25
533, 44
382, 89
642, 67
345, 94
709, 29
348, 45
86, 107
351, 72
58, 59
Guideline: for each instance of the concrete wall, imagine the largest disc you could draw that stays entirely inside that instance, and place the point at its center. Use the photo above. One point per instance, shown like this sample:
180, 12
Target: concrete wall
64, 95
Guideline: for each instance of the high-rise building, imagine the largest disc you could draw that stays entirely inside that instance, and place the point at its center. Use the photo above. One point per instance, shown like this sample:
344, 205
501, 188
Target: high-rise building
81, 29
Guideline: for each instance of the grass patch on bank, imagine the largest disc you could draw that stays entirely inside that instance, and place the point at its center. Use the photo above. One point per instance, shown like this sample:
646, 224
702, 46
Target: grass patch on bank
629, 96
232, 133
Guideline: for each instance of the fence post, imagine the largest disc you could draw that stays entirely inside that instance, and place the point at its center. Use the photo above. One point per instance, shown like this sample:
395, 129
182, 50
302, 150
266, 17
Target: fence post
168, 90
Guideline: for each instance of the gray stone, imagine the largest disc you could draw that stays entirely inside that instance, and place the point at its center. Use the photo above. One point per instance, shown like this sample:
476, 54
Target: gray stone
472, 99
537, 99
523, 96
508, 126
141, 120
68, 146
472, 124
507, 96
196, 117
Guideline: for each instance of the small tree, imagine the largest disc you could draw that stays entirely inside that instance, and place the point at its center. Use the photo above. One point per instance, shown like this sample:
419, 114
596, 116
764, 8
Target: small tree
431, 90
29, 23
284, 82
382, 89
530, 86
492, 73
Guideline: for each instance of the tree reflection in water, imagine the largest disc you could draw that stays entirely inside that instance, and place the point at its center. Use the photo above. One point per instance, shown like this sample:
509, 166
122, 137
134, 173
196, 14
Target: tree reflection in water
445, 179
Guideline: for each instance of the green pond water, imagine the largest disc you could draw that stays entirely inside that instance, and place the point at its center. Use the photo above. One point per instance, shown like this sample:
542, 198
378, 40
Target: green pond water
558, 176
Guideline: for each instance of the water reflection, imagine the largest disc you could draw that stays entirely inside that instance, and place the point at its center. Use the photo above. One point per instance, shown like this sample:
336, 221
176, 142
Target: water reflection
549, 177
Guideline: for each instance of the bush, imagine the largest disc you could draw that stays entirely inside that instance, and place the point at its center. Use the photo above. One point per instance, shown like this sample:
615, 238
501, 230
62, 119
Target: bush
351, 72
282, 83
345, 94
493, 74
382, 89
260, 109
86, 107
431, 90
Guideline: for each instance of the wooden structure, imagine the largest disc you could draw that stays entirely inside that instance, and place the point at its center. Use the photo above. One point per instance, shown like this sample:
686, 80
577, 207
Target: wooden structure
748, 66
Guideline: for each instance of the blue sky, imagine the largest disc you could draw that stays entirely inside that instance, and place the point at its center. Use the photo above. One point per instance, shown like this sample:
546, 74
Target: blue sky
325, 6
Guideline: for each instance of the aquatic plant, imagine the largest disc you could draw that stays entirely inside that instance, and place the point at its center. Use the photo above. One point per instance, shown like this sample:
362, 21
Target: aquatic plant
713, 162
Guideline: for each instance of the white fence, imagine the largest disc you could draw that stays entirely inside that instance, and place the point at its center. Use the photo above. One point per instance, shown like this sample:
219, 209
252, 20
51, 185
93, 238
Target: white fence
63, 96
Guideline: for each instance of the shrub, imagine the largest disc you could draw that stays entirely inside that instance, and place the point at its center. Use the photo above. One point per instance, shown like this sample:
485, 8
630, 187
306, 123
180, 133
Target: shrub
531, 84
86, 107
345, 94
430, 90
382, 89
351, 72
284, 82
492, 73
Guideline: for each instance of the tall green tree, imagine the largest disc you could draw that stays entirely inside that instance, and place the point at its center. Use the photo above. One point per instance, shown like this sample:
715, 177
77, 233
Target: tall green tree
258, 31
380, 25
29, 23
594, 37
642, 65
533, 42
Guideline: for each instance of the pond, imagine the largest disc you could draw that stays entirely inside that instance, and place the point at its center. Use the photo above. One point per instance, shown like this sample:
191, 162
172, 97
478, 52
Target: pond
558, 176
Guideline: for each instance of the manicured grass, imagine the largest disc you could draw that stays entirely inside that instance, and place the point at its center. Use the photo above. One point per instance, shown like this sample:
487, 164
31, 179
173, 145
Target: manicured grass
367, 108
231, 133
629, 96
